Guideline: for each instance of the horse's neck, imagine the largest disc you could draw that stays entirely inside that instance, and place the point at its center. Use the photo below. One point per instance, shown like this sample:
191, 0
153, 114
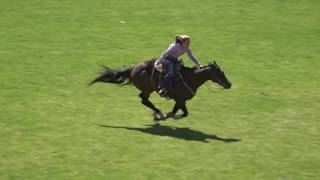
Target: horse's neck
199, 78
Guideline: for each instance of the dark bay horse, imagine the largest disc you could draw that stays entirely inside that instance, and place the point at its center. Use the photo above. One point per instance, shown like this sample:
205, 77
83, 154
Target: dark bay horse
144, 77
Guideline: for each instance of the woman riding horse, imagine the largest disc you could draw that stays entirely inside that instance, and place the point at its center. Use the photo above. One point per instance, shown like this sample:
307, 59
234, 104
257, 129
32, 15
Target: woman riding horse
170, 56
142, 77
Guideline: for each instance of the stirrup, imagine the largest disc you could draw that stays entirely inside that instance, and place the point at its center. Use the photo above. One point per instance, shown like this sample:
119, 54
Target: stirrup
163, 93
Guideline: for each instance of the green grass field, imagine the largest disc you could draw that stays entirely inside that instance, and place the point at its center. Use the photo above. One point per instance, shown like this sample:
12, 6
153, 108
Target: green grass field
53, 127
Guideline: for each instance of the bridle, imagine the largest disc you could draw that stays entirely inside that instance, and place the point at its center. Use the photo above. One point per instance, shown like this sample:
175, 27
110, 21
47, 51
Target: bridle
213, 87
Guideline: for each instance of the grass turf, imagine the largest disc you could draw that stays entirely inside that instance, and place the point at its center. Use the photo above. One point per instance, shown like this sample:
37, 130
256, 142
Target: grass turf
54, 127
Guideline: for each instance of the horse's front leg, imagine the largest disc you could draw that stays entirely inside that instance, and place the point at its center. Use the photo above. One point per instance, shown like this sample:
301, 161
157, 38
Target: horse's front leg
174, 110
176, 107
184, 109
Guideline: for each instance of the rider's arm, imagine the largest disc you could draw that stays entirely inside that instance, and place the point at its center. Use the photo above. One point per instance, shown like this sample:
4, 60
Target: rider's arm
170, 49
192, 57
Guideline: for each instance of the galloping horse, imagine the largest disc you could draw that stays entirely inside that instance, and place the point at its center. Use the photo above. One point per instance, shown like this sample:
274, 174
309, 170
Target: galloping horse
144, 77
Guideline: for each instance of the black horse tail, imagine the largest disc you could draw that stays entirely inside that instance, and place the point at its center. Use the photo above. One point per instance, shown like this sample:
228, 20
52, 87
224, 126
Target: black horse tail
121, 77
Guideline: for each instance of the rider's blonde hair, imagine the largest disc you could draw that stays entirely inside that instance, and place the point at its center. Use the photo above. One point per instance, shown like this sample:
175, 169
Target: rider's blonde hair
183, 39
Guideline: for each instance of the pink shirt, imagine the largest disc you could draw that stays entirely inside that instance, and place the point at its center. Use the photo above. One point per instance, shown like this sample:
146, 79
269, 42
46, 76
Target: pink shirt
175, 50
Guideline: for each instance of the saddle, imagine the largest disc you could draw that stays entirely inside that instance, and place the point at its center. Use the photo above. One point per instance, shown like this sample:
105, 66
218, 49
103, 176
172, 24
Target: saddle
177, 77
179, 68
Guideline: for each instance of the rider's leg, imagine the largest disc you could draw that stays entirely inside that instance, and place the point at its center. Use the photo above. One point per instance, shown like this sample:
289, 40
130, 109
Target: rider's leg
169, 69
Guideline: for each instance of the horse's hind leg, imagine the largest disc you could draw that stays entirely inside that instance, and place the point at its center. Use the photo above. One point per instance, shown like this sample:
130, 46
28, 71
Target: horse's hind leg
145, 101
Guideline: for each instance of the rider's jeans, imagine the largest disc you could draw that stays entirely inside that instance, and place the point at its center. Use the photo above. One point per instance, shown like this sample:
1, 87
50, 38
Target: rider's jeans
169, 69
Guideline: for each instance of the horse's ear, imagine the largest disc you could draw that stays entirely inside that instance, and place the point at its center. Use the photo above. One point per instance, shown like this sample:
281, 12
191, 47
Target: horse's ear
217, 65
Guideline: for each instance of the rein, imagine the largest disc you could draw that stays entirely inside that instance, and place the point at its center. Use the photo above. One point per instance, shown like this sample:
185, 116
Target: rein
214, 88
187, 86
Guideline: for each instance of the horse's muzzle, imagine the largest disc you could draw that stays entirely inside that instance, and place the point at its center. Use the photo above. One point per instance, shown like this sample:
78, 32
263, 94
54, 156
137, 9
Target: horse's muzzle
228, 86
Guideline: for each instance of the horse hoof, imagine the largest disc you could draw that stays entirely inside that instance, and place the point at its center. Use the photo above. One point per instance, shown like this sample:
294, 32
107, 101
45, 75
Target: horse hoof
184, 115
157, 116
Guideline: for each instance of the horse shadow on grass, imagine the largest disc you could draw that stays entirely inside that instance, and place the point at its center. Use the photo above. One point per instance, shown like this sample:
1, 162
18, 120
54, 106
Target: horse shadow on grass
176, 132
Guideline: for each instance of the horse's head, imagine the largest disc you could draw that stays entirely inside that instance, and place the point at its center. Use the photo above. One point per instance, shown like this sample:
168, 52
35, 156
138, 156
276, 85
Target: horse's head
217, 75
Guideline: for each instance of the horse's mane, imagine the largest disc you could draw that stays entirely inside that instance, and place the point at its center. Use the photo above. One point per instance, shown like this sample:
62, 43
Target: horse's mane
185, 68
